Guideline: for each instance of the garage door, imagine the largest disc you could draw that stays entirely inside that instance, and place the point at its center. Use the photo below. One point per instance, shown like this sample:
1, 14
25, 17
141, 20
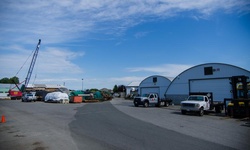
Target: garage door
146, 90
219, 87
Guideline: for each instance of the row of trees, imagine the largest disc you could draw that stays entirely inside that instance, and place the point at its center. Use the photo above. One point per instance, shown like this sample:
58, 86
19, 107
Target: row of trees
10, 80
120, 88
116, 89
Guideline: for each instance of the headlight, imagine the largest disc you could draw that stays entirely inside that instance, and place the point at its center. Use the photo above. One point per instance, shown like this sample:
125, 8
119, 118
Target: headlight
197, 105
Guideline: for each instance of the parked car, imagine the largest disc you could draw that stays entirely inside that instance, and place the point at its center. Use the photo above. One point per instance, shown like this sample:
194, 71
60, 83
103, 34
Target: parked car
116, 95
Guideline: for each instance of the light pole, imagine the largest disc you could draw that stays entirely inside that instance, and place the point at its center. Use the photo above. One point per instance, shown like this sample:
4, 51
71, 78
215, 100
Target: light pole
82, 84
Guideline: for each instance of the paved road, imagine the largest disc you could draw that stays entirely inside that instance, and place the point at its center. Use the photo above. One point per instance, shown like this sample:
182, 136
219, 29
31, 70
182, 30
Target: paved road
115, 125
36, 126
102, 126
215, 128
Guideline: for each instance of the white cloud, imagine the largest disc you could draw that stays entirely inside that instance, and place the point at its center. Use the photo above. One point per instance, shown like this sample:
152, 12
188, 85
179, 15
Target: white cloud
168, 70
110, 82
22, 22
50, 62
58, 61
140, 34
127, 79
58, 21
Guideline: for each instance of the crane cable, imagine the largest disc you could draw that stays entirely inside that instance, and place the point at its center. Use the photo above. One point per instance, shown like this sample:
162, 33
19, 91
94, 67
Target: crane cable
24, 63
22, 68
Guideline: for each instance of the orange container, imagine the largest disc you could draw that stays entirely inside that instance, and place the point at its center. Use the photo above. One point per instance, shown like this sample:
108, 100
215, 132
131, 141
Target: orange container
76, 99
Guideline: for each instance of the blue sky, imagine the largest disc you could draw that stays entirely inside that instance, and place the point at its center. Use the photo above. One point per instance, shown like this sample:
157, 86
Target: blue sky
108, 42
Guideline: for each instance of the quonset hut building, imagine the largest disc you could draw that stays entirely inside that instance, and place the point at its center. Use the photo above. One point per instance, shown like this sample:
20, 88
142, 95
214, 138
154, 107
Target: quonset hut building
154, 84
205, 78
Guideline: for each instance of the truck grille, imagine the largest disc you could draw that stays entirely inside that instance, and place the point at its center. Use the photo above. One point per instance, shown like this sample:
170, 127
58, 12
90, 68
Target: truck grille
188, 105
137, 99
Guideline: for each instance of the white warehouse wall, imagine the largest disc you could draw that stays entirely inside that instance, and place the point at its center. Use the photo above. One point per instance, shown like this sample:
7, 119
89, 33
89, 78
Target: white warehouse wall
159, 87
180, 87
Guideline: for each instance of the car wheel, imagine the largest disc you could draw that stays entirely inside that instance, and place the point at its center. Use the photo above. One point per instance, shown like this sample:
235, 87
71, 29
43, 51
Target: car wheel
201, 112
166, 104
146, 104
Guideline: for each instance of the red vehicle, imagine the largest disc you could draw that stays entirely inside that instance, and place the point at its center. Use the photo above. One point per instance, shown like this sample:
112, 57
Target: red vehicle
14, 95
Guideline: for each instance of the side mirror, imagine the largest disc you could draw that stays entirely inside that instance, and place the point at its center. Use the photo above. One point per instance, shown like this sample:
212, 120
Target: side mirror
206, 100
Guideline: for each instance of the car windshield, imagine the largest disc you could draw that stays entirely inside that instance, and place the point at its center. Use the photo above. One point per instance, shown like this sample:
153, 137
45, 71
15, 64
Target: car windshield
195, 98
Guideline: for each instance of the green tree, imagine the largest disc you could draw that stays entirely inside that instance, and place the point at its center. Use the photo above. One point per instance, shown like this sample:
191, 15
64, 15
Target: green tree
10, 80
121, 88
14, 80
115, 89
5, 80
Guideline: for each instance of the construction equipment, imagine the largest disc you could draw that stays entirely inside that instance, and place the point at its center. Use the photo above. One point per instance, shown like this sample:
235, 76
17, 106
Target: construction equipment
239, 106
87, 96
18, 94
32, 64
15, 94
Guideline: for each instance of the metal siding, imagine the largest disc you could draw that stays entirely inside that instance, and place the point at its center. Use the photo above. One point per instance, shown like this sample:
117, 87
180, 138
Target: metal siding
197, 72
146, 90
221, 88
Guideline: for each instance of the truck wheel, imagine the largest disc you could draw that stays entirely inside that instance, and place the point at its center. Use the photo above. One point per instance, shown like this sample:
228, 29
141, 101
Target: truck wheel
183, 112
136, 105
158, 104
230, 112
166, 104
146, 104
218, 109
201, 112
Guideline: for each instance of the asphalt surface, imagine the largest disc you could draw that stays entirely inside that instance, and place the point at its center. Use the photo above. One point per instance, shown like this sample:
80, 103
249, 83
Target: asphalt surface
102, 126
215, 128
36, 125
115, 125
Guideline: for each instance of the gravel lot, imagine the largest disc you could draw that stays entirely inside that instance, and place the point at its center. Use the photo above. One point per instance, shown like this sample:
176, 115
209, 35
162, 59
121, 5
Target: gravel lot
40, 126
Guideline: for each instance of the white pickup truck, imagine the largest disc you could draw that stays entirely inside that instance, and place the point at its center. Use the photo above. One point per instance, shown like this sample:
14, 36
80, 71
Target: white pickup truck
196, 103
151, 98
29, 97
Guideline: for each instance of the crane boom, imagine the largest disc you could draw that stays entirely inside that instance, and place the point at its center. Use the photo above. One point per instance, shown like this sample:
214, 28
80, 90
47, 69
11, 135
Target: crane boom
33, 61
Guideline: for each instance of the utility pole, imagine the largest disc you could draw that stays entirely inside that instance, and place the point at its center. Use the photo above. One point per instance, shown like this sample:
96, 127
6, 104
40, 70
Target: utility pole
82, 84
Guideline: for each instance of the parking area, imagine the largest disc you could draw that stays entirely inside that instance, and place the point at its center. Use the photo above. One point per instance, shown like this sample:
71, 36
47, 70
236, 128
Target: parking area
213, 127
34, 125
